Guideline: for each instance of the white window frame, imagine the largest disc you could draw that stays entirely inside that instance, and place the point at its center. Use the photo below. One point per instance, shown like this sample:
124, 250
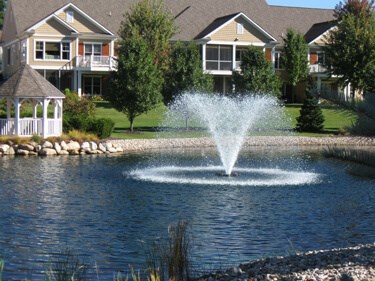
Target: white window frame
219, 61
70, 16
44, 41
240, 28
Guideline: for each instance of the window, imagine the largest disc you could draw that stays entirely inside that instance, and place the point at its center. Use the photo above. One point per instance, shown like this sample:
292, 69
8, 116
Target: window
8, 56
320, 58
93, 52
278, 60
239, 55
240, 29
70, 16
52, 50
92, 85
218, 57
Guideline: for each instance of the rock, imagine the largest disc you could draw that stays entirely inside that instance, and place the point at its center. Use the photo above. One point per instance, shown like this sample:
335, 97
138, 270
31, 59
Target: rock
57, 147
33, 153
38, 148
111, 149
10, 151
73, 152
63, 145
85, 146
63, 152
47, 144
22, 152
93, 145
47, 152
119, 149
26, 146
92, 152
102, 147
73, 145
4, 148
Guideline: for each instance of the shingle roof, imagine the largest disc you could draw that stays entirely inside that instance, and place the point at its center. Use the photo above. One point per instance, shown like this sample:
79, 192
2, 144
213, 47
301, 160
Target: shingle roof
28, 83
318, 29
191, 16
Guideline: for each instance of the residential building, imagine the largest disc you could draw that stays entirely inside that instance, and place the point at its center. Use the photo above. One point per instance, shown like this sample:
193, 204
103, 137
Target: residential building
72, 43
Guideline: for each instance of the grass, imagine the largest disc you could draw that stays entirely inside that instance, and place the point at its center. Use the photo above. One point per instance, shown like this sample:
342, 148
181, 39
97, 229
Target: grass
146, 126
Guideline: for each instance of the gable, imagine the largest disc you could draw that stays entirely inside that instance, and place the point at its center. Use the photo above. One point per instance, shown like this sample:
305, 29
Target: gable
80, 23
53, 27
9, 28
228, 32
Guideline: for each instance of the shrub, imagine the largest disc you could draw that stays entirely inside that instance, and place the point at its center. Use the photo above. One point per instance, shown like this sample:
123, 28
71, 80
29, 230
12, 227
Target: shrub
311, 118
365, 124
73, 105
101, 127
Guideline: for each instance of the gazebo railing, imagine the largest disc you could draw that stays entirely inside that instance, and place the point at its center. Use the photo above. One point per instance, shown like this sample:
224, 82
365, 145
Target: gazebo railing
30, 126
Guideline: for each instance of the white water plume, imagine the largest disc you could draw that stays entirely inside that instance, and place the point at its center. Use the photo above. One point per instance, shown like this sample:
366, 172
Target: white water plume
228, 119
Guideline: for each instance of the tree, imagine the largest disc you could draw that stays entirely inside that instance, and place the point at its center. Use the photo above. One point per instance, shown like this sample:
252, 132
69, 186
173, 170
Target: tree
311, 118
136, 85
2, 12
295, 54
148, 19
256, 75
185, 72
351, 45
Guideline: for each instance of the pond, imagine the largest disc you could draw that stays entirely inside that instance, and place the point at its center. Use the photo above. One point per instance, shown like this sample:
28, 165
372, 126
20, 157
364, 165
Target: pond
95, 206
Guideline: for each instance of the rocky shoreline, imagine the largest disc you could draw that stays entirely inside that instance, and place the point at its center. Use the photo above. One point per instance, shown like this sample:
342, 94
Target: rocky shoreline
342, 264
129, 145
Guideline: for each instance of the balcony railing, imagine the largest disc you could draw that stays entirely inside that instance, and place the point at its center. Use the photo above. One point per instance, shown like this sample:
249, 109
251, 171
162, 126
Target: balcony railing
317, 68
96, 61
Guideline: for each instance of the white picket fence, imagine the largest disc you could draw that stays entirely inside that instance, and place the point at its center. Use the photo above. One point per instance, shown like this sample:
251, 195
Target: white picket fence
30, 126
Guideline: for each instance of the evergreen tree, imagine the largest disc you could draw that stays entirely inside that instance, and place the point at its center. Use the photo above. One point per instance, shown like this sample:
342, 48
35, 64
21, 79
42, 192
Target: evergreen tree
256, 75
185, 72
135, 88
351, 45
311, 118
2, 12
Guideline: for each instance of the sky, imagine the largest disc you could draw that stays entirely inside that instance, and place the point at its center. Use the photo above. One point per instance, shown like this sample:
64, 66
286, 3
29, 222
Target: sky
325, 4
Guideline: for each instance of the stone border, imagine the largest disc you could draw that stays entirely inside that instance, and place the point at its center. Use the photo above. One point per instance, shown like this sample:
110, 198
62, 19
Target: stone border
59, 148
128, 145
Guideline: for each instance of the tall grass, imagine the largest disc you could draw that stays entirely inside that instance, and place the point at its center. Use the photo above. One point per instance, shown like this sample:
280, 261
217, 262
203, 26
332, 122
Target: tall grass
170, 258
65, 266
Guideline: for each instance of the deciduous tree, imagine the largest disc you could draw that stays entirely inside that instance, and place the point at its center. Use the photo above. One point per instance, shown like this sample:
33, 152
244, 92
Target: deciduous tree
185, 72
256, 75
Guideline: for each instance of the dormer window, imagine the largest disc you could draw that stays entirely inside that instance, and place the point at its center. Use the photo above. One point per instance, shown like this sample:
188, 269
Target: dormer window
240, 28
70, 16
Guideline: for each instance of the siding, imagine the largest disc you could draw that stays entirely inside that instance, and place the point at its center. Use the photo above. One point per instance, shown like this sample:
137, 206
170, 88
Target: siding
268, 54
57, 64
313, 58
52, 27
229, 33
80, 23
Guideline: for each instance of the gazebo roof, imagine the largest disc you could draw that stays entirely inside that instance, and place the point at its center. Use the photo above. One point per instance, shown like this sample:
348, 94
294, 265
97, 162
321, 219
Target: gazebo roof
28, 83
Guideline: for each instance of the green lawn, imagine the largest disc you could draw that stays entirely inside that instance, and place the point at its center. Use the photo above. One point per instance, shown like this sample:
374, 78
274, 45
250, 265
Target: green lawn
146, 125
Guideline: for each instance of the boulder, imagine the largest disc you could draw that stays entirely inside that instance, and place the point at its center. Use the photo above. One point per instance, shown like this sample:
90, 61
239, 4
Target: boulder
102, 147
4, 148
73, 145
111, 149
47, 144
119, 149
93, 145
85, 146
47, 151
74, 152
22, 152
26, 146
57, 147
63, 145
63, 152
10, 151
38, 148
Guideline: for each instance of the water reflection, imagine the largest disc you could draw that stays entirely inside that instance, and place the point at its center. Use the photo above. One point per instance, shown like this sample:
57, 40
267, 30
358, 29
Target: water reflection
91, 205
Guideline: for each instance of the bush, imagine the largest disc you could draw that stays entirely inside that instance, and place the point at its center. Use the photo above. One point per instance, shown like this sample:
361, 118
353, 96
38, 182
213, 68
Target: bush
102, 127
311, 118
73, 105
365, 124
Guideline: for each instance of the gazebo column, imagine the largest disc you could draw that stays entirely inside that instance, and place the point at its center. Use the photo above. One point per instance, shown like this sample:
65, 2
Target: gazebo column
35, 109
45, 118
17, 106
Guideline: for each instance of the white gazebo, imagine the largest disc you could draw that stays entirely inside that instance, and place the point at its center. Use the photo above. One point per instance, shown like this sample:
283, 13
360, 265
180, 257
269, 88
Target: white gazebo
27, 86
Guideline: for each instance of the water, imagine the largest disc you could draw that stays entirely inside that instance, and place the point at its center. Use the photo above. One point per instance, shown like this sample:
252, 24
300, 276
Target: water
95, 206
228, 119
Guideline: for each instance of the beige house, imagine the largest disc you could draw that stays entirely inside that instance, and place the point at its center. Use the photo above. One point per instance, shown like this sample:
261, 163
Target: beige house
72, 42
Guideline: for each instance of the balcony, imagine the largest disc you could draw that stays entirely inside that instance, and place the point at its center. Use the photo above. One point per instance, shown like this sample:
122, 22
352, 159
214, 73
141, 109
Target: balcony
317, 68
98, 62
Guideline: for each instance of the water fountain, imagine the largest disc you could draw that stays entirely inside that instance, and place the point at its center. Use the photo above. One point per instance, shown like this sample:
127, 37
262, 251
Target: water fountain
229, 120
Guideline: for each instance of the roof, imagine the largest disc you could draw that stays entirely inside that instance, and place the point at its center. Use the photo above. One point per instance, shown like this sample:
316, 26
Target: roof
318, 29
192, 17
28, 83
